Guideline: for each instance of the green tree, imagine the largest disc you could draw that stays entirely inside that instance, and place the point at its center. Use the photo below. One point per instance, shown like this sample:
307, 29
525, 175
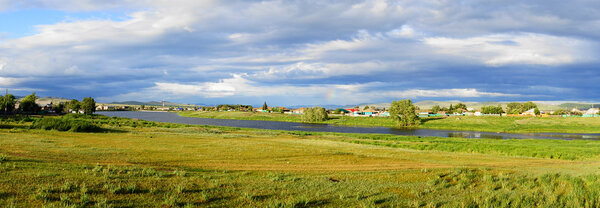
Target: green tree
265, 107
460, 106
59, 108
560, 112
7, 103
492, 109
315, 114
28, 104
142, 107
74, 105
435, 109
536, 111
514, 108
528, 106
403, 112
88, 105
366, 107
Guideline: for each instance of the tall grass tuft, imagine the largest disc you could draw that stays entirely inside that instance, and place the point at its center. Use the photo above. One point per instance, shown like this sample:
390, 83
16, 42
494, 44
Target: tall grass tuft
65, 124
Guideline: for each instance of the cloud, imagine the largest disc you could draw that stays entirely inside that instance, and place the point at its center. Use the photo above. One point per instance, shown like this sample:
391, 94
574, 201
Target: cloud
238, 86
301, 52
445, 93
9, 81
522, 48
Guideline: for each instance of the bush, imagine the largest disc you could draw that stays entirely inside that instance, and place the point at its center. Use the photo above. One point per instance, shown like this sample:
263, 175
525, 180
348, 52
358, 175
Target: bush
65, 124
315, 114
492, 110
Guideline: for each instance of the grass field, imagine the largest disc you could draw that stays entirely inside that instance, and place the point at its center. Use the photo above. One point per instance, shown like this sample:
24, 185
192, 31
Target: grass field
134, 163
517, 124
338, 120
468, 123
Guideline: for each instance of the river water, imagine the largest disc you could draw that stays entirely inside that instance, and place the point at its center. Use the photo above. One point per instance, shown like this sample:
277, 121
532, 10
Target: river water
290, 126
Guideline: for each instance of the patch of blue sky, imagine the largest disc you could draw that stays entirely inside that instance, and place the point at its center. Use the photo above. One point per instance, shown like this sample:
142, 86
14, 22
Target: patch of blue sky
20, 23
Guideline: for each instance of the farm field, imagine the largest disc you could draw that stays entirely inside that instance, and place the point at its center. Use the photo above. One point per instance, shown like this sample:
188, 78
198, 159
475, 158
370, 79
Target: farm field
133, 163
467, 123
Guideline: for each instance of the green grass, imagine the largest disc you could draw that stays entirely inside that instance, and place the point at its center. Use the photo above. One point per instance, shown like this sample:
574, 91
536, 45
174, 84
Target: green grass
338, 120
466, 123
517, 124
149, 164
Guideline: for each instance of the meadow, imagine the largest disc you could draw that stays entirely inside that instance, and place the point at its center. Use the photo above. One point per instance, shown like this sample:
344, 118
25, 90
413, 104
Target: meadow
466, 123
134, 163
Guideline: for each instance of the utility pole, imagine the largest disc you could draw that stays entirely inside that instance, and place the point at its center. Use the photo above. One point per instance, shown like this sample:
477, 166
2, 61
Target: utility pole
6, 101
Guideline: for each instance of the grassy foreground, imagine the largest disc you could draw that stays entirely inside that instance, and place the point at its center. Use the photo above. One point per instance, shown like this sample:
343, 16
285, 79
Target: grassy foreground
467, 123
132, 163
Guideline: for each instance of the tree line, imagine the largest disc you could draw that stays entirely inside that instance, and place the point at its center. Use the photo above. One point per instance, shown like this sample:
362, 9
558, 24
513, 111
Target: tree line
28, 105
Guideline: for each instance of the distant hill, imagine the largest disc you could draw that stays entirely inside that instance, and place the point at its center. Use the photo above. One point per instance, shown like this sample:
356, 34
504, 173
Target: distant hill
324, 106
151, 103
580, 106
542, 105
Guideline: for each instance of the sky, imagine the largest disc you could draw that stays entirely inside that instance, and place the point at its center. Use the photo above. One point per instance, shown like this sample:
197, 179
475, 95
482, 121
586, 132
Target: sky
301, 52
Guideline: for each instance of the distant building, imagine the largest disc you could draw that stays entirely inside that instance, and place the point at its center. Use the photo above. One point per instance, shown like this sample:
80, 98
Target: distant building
298, 111
530, 112
592, 112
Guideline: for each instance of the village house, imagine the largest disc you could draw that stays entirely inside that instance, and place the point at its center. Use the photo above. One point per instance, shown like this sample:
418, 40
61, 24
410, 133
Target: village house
370, 112
530, 112
592, 112
298, 111
384, 114
353, 111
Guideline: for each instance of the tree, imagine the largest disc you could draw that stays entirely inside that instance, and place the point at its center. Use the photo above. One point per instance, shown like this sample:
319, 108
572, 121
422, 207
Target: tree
492, 110
403, 112
142, 107
528, 106
28, 104
366, 107
74, 105
560, 112
315, 114
88, 105
7, 103
59, 108
514, 108
536, 111
435, 109
460, 106
265, 107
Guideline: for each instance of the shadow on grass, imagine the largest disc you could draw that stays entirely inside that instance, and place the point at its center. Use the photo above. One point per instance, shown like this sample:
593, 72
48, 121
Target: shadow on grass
109, 130
4, 195
425, 120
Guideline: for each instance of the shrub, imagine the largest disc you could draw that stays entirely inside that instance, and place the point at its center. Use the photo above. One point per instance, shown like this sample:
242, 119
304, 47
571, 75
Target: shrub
65, 124
315, 114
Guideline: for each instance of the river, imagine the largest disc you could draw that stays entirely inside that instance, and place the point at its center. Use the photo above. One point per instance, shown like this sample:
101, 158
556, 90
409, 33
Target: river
290, 126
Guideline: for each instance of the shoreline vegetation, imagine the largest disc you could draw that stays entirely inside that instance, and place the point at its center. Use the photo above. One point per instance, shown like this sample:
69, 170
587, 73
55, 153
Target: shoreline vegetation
131, 163
464, 123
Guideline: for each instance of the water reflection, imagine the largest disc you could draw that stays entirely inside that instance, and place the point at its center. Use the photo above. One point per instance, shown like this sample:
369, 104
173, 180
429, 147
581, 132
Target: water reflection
289, 126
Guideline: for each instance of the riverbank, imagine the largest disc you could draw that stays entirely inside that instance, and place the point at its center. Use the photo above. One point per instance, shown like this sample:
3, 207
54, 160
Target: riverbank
460, 123
258, 116
136, 163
